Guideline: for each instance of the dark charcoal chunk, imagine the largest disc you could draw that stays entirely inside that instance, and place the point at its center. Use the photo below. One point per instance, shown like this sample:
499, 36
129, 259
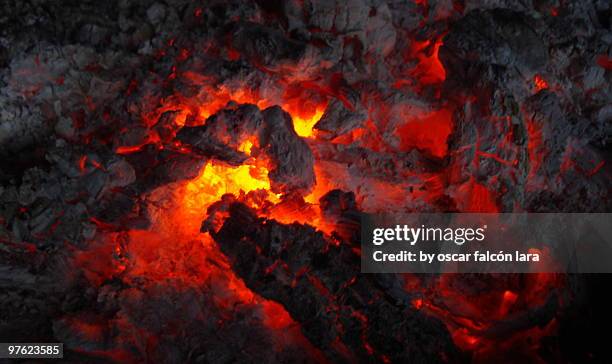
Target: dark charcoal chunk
320, 285
156, 168
338, 119
291, 158
293, 161
223, 132
266, 46
499, 37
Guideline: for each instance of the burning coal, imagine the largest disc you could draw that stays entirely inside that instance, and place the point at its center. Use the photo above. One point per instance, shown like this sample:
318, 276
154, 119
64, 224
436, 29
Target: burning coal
181, 181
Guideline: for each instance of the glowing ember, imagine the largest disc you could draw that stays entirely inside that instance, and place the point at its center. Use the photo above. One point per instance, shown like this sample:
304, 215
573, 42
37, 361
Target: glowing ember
428, 133
246, 147
133, 204
304, 126
540, 83
604, 62
429, 69
215, 180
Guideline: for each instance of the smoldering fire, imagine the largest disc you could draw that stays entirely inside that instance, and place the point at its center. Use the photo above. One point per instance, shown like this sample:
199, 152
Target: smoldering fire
178, 176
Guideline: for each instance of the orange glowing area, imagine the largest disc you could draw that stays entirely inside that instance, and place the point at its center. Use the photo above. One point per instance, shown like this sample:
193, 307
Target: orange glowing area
246, 147
304, 125
540, 83
173, 251
215, 180
177, 212
305, 114
222, 95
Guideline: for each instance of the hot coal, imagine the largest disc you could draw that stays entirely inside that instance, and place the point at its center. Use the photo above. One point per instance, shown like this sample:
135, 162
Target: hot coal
349, 315
124, 125
290, 157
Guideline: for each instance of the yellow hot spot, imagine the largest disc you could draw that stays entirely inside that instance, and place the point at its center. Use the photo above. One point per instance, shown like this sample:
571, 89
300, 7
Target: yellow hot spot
312, 198
303, 127
215, 180
246, 147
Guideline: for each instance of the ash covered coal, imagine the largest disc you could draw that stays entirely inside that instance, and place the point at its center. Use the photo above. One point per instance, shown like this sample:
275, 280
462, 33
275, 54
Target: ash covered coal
124, 125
